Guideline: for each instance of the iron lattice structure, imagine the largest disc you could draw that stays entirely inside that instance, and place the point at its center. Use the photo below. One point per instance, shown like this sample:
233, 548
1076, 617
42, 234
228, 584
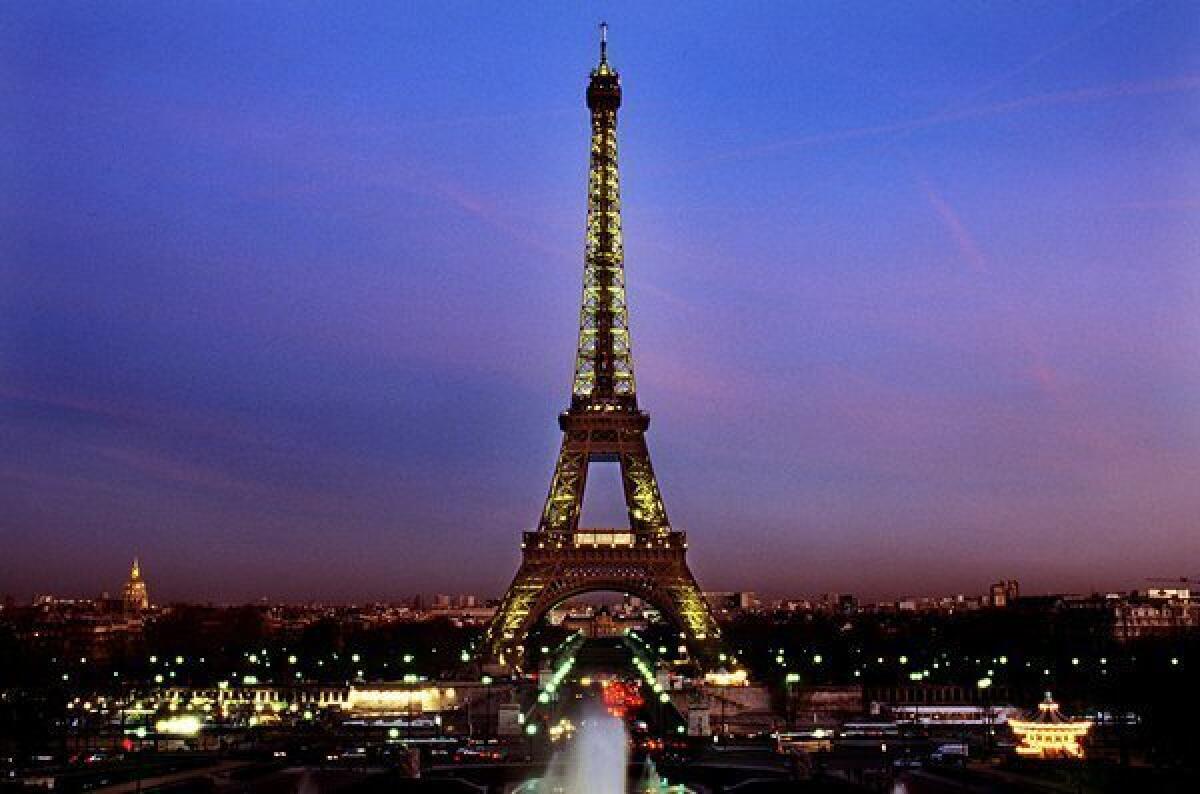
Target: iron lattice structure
560, 559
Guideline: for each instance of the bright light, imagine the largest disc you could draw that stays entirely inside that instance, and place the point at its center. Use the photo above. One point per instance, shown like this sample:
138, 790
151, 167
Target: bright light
792, 678
983, 683
736, 678
531, 728
179, 726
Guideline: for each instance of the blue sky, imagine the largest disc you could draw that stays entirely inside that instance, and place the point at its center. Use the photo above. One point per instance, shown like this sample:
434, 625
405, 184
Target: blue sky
288, 293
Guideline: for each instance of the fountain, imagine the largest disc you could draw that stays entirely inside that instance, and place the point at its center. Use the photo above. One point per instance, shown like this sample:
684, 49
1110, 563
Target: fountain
596, 762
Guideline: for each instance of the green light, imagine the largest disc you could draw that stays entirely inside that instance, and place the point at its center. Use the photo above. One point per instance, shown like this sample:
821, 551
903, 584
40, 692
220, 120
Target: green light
792, 678
543, 697
531, 728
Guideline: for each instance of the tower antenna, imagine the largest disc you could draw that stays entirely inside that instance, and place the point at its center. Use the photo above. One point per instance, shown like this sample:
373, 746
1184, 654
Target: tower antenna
603, 42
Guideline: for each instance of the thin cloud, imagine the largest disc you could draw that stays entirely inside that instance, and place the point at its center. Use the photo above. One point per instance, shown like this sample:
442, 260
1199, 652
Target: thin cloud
1053, 99
1037, 369
958, 231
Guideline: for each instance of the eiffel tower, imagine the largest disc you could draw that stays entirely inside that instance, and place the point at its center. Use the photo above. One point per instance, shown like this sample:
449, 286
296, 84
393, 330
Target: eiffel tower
561, 559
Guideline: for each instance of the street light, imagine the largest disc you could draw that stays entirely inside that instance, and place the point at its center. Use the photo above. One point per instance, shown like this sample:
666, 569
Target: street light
985, 685
790, 680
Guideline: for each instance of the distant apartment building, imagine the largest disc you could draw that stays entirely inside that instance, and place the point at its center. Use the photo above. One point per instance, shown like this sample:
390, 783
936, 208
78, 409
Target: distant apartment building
1150, 615
1003, 593
728, 604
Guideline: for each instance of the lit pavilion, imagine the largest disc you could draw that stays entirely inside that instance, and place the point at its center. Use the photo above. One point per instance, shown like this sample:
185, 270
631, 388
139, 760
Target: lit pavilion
1049, 734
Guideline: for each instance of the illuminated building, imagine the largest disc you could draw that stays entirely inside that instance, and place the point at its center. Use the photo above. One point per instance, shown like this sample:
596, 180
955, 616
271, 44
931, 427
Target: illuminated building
725, 678
602, 424
134, 595
1049, 734
1004, 593
380, 699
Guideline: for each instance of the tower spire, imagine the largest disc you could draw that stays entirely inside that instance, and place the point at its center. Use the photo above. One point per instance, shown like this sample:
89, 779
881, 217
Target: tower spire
604, 362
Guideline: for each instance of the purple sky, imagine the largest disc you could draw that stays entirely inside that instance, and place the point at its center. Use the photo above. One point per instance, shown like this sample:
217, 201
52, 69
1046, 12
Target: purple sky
288, 292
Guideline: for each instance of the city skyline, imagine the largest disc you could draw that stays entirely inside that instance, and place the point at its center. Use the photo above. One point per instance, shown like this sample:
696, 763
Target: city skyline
291, 307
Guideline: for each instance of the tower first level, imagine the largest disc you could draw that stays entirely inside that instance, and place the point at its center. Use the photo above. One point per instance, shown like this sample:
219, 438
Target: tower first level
556, 566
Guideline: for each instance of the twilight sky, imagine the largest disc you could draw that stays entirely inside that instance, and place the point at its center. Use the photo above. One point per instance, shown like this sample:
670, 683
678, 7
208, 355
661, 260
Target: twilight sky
288, 292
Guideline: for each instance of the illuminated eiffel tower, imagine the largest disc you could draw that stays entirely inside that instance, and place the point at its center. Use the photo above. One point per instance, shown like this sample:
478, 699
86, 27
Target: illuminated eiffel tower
603, 423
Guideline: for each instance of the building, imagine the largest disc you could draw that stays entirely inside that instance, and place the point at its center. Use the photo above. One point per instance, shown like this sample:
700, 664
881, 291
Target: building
135, 597
1004, 592
603, 624
1141, 617
731, 604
